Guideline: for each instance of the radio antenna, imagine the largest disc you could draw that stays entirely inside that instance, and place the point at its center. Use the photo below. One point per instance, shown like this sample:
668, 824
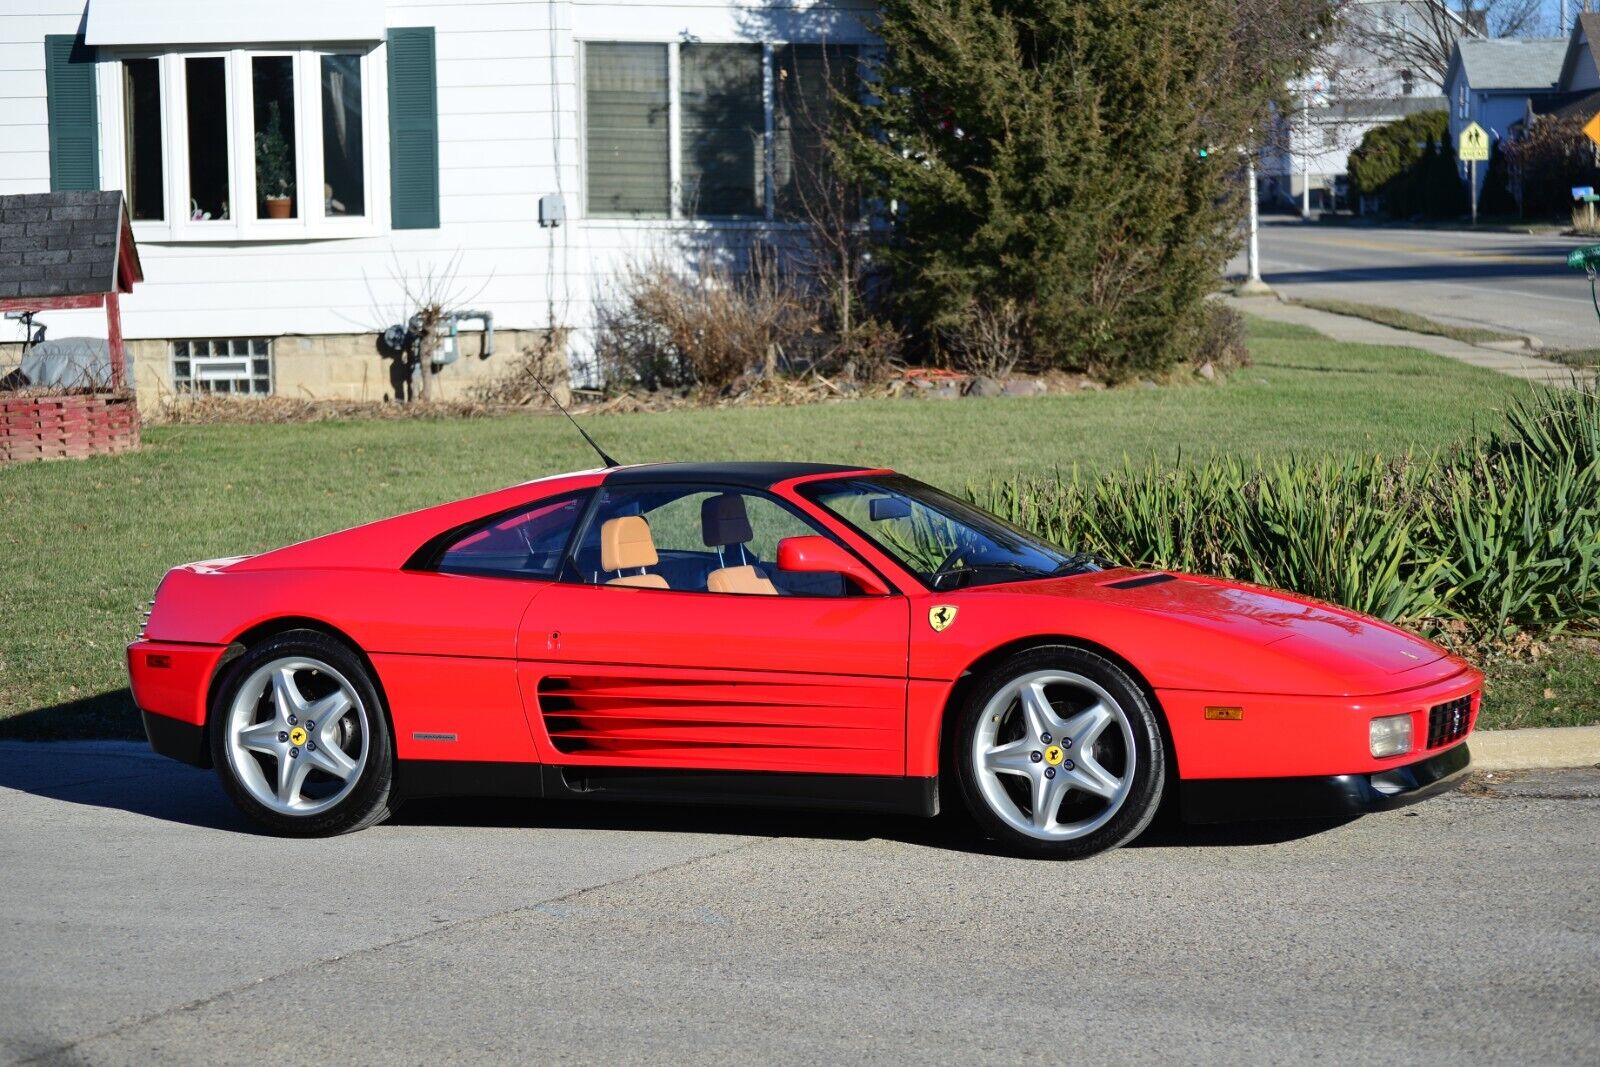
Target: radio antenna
607, 460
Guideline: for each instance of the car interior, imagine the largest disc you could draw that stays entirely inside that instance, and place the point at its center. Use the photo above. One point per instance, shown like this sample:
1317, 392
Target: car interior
694, 540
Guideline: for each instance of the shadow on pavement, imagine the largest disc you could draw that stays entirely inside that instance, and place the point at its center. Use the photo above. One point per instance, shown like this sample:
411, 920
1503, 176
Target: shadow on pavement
123, 776
109, 714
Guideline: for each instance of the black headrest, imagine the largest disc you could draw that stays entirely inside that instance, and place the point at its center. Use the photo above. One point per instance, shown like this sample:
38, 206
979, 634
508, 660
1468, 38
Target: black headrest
723, 520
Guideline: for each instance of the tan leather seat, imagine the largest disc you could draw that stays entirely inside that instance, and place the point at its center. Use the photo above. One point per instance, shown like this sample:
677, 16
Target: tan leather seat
626, 544
739, 580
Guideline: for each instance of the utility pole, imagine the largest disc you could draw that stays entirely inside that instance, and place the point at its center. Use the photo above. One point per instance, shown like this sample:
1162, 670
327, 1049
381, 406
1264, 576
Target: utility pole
1305, 160
1252, 284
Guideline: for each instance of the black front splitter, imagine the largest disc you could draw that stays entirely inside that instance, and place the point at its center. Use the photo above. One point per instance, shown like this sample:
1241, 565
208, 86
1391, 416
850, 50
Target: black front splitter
1210, 800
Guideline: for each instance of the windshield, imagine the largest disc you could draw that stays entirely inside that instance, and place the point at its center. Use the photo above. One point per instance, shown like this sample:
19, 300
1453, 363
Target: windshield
945, 542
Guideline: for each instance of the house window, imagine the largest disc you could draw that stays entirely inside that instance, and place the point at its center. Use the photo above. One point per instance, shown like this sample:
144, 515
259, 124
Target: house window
627, 130
272, 101
141, 116
724, 131
210, 181
344, 168
239, 365
805, 78
260, 143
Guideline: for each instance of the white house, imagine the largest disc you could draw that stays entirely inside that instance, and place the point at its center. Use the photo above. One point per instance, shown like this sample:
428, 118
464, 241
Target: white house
1491, 82
1359, 87
293, 166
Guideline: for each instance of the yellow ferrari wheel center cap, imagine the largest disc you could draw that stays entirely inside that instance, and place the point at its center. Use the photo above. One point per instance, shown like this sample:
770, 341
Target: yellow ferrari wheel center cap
297, 736
1053, 755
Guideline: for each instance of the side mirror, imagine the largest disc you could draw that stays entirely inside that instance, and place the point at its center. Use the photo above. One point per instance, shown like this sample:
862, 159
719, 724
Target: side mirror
818, 555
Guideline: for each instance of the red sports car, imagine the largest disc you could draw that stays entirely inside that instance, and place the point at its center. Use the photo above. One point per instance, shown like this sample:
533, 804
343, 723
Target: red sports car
779, 633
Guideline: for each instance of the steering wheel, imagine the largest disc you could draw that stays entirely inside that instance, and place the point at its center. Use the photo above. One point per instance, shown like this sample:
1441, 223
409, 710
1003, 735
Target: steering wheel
948, 563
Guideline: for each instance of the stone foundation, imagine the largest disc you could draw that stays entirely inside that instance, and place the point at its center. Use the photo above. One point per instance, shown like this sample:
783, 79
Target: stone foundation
332, 366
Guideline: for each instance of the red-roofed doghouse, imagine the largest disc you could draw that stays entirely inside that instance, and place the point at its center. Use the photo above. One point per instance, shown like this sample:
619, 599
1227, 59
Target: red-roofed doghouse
60, 251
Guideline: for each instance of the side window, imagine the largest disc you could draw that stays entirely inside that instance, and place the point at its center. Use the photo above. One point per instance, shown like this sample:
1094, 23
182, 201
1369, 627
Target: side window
525, 544
696, 539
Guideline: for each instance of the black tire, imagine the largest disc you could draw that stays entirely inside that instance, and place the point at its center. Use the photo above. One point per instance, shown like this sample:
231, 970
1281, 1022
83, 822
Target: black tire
1143, 797
370, 800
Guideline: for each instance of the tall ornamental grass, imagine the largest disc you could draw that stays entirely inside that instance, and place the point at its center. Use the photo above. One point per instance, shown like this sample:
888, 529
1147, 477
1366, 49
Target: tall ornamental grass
1499, 535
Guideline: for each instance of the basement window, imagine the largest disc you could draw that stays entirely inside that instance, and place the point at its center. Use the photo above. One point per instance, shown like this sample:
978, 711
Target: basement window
240, 366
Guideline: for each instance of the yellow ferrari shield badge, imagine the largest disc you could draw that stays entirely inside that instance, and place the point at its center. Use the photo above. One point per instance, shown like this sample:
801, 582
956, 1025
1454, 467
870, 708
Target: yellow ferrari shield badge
940, 616
297, 736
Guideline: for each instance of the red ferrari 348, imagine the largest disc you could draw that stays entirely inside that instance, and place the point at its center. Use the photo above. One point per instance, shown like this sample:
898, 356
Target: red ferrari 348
779, 633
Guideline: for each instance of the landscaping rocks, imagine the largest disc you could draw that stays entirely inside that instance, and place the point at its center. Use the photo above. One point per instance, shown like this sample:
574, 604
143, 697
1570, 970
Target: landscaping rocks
1024, 387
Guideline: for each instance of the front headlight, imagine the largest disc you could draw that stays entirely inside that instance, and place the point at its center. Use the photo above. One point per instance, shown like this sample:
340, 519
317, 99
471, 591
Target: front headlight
1390, 735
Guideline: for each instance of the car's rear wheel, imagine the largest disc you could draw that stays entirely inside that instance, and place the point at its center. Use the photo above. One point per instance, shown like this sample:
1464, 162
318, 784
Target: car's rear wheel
299, 737
1059, 753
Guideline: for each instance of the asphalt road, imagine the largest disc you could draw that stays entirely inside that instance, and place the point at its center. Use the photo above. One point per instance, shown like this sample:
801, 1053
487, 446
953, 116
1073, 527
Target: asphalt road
1515, 283
141, 921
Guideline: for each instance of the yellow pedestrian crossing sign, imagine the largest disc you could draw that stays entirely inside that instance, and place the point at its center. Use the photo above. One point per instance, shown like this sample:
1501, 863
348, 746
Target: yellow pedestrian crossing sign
1474, 144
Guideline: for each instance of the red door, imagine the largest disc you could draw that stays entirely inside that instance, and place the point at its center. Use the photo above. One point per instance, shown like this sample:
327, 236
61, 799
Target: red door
617, 676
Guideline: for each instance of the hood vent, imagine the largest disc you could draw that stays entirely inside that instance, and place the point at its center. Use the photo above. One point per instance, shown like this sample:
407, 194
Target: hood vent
1142, 581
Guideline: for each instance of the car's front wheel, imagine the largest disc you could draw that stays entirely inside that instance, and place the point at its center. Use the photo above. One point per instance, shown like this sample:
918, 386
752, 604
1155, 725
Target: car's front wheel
1059, 753
299, 738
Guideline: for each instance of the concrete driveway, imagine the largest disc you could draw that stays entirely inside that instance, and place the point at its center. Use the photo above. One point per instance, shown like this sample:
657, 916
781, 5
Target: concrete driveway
140, 920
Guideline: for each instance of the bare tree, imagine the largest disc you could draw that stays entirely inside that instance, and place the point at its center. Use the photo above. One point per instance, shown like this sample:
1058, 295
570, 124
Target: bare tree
811, 188
1421, 35
429, 295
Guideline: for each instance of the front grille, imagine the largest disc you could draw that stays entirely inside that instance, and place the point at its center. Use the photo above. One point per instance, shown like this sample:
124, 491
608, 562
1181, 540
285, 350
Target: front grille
1448, 722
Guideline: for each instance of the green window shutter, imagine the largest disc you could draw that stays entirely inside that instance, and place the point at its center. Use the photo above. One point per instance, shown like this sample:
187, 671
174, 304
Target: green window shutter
413, 130
74, 118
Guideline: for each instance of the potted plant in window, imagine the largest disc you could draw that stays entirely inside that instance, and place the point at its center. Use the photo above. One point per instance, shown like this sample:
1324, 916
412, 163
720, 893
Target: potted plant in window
274, 167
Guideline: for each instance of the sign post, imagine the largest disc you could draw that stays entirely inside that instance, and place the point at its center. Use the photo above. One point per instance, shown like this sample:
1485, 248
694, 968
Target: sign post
1472, 149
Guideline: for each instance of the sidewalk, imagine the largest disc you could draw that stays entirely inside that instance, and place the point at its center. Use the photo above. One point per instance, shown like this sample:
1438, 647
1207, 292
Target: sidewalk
1361, 331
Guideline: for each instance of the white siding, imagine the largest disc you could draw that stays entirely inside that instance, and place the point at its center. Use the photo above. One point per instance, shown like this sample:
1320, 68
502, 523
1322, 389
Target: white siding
510, 127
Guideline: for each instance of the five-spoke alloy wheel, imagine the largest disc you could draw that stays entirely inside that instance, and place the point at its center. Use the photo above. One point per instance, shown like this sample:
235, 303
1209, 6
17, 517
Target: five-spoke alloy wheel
299, 737
1059, 753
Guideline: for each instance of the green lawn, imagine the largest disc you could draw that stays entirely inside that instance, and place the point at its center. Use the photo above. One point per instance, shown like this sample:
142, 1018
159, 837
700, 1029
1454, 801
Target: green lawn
83, 543
1406, 320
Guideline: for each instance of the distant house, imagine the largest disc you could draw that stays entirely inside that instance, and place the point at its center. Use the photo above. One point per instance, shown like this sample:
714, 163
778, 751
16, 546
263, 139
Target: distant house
1335, 107
1492, 82
1577, 94
290, 166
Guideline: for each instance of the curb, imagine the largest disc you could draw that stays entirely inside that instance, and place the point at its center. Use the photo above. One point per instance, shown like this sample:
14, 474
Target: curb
1535, 749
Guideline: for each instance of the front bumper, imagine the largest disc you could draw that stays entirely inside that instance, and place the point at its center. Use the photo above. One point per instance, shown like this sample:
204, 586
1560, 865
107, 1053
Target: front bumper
1210, 800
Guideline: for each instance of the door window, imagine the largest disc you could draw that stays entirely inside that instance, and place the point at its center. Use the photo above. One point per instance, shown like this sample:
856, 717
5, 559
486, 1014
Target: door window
702, 539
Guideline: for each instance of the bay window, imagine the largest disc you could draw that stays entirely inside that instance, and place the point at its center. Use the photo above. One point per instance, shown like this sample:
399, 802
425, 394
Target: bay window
343, 156
205, 81
708, 131
249, 143
145, 182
